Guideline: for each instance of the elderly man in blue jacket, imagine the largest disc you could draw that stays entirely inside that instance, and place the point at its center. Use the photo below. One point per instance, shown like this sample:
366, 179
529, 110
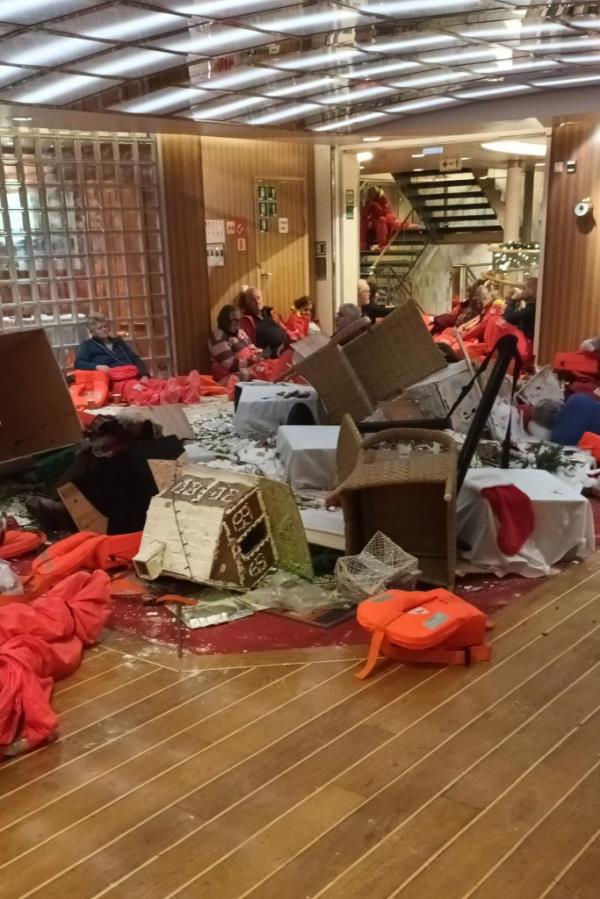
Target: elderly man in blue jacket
101, 352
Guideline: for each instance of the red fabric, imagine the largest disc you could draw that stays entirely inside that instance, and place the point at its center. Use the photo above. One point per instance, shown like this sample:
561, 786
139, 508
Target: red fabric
83, 550
90, 390
188, 389
40, 643
513, 511
297, 326
19, 543
591, 442
577, 363
248, 326
123, 373
497, 327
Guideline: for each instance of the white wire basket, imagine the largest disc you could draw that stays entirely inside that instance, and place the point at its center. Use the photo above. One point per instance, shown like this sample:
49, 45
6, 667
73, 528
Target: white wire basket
382, 564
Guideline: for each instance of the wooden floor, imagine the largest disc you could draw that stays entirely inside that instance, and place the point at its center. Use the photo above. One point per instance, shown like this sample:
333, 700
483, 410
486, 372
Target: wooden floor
284, 777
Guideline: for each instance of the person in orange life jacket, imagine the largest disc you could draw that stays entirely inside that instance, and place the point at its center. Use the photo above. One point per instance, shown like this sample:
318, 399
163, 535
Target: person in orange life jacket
259, 325
101, 352
301, 323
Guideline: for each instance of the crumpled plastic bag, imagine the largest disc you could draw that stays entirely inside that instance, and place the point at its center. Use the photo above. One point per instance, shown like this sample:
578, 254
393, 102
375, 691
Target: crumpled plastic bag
10, 582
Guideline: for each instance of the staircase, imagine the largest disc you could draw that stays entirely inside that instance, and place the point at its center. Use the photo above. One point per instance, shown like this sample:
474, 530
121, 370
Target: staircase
394, 265
453, 206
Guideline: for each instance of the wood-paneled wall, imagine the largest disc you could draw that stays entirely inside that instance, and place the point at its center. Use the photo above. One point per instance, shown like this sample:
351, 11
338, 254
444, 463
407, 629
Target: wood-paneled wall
185, 239
231, 168
570, 308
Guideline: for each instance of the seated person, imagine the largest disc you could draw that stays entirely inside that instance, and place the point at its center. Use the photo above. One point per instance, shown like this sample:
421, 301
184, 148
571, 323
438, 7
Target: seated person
231, 351
300, 323
520, 310
259, 324
367, 301
101, 352
490, 306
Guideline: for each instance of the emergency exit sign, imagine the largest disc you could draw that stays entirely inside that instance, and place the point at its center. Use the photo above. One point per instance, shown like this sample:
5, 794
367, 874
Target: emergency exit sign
450, 165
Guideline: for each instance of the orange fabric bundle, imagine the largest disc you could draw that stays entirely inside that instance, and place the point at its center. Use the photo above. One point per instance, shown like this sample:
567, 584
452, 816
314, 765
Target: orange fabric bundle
90, 390
19, 543
84, 550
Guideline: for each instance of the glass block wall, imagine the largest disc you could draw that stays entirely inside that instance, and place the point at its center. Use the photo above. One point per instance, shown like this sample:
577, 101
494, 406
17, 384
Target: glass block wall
80, 230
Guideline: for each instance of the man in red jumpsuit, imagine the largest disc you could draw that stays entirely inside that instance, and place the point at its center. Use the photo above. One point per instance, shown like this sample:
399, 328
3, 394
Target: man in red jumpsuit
377, 220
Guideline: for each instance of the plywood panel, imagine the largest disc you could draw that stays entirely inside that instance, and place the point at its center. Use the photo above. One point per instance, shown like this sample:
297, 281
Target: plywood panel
231, 170
184, 217
570, 310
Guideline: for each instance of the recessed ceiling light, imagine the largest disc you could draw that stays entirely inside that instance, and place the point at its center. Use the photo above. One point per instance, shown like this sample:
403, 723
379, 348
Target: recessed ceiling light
418, 170
22, 118
383, 68
317, 59
516, 147
398, 45
581, 59
512, 29
567, 80
286, 113
364, 156
417, 155
509, 66
223, 7
418, 105
30, 11
340, 124
305, 86
415, 7
242, 76
34, 48
168, 99
467, 54
464, 158
370, 140
428, 80
576, 43
355, 95
214, 40
332, 19
493, 91
121, 23
129, 60
57, 88
228, 109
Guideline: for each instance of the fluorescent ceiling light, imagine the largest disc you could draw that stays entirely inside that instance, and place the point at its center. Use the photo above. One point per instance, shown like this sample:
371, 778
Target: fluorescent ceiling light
317, 59
371, 140
464, 55
507, 66
9, 74
426, 80
415, 7
330, 19
25, 12
417, 155
22, 118
213, 40
585, 22
223, 7
398, 45
567, 81
241, 76
493, 91
58, 88
581, 59
512, 29
38, 48
283, 114
122, 23
130, 60
516, 147
383, 68
575, 43
306, 86
339, 124
165, 100
364, 156
225, 110
418, 105
355, 95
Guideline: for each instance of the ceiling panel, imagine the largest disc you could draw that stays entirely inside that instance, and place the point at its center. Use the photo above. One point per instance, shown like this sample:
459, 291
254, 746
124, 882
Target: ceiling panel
325, 65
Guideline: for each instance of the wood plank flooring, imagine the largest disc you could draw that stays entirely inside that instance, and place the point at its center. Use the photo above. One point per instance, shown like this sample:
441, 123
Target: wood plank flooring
280, 776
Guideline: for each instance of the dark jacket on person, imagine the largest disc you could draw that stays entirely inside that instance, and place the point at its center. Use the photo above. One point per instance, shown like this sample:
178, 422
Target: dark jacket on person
524, 319
95, 352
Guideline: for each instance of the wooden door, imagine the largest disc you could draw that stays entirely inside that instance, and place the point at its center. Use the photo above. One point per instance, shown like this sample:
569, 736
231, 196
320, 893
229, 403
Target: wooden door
282, 241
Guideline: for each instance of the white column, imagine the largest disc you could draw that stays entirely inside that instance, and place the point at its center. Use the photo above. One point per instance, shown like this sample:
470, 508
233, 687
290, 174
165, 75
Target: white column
325, 204
348, 247
513, 204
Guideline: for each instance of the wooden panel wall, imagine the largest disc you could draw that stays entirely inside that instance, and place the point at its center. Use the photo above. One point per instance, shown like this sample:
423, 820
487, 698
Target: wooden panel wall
231, 169
570, 309
185, 239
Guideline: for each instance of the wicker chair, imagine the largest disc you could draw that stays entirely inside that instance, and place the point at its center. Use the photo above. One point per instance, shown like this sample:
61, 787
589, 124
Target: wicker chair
334, 379
410, 498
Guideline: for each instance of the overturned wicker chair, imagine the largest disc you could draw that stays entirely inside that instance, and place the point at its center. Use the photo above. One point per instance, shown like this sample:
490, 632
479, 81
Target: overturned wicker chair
410, 497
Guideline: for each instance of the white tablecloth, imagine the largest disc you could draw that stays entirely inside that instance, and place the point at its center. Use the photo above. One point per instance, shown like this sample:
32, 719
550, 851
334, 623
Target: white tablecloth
308, 455
564, 524
264, 407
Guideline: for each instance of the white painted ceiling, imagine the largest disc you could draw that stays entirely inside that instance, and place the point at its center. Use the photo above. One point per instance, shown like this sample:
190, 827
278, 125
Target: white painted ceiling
319, 67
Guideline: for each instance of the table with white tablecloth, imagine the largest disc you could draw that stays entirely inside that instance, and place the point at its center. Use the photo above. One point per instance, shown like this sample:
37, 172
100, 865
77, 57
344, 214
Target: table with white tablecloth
262, 408
564, 524
309, 455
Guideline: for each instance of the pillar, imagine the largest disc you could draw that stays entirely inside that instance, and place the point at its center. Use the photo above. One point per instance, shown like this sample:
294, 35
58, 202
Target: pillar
323, 248
513, 203
348, 228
